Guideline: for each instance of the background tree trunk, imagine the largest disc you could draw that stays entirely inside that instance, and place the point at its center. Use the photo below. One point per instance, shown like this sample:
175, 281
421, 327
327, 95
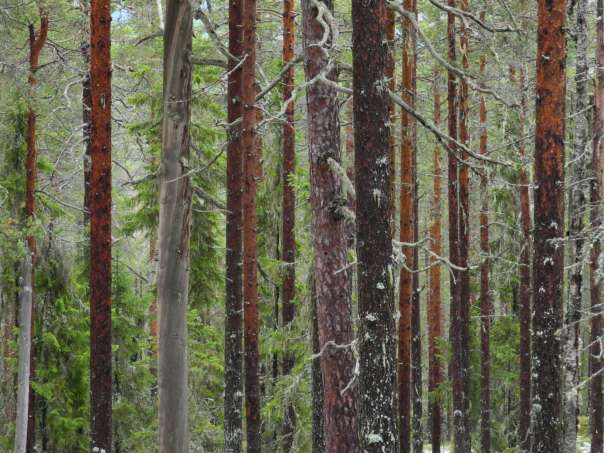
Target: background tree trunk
434, 294
101, 374
328, 204
374, 238
548, 258
233, 332
318, 419
576, 210
25, 332
288, 251
174, 229
485, 292
249, 144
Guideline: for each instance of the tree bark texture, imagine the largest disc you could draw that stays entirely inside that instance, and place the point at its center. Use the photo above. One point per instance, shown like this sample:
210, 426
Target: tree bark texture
288, 250
328, 202
100, 225
548, 259
174, 229
249, 145
233, 332
378, 429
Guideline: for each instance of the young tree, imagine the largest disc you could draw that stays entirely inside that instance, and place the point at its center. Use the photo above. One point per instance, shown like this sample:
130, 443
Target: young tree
577, 201
434, 294
36, 43
174, 229
548, 256
101, 374
233, 333
329, 215
378, 428
250, 147
288, 250
597, 322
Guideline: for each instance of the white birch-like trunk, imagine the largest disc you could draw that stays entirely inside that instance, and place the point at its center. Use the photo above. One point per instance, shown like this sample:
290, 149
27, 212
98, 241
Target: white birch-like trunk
25, 312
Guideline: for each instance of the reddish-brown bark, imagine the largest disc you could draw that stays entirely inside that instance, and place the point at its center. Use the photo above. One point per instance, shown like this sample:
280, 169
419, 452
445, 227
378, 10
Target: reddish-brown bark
434, 294
597, 320
407, 218
288, 251
485, 296
524, 296
100, 224
249, 146
548, 258
377, 359
233, 332
332, 282
36, 43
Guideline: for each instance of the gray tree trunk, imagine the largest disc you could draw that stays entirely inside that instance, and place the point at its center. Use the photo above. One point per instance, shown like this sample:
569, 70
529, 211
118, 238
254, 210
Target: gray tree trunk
576, 210
24, 354
174, 229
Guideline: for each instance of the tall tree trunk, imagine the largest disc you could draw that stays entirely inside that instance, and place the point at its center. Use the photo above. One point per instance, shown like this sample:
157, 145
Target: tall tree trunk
233, 332
462, 351
100, 224
36, 43
407, 220
577, 201
25, 333
434, 294
485, 292
548, 258
318, 419
174, 229
289, 208
378, 429
524, 434
249, 145
328, 203
597, 319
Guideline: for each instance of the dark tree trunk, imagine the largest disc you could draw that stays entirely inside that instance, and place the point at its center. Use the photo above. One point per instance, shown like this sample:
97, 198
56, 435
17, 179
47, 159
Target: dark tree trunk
249, 145
378, 430
233, 333
485, 294
434, 295
175, 229
288, 256
100, 225
597, 322
332, 282
461, 347
548, 258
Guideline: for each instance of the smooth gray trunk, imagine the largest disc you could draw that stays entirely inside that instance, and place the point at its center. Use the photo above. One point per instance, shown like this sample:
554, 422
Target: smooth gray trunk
174, 229
25, 312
